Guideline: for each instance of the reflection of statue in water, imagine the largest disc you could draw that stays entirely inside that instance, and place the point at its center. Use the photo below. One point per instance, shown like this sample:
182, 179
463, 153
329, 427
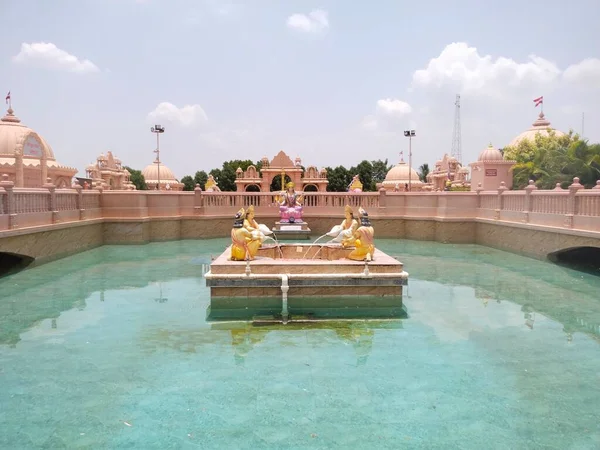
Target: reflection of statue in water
355, 184
343, 232
244, 340
290, 207
241, 240
211, 185
363, 239
361, 339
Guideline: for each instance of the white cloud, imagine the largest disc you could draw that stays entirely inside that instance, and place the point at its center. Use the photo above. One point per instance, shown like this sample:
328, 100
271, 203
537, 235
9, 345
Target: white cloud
314, 22
188, 115
465, 70
390, 113
48, 56
586, 73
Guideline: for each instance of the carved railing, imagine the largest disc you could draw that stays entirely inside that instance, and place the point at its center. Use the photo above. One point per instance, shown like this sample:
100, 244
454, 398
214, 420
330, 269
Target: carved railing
574, 208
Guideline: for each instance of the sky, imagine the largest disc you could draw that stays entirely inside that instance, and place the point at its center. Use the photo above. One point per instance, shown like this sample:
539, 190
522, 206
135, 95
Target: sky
333, 82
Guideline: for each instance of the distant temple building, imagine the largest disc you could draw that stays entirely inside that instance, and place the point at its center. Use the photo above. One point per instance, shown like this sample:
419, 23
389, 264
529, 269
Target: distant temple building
398, 179
107, 173
160, 177
448, 173
26, 157
540, 126
311, 180
490, 170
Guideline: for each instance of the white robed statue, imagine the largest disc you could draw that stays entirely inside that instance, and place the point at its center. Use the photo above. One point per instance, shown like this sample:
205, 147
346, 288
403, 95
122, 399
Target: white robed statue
343, 232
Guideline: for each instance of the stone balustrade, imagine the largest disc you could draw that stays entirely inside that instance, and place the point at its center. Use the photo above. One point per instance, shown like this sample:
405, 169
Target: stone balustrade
574, 208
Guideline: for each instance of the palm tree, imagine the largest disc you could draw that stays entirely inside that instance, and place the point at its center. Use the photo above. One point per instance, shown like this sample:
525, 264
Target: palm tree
423, 172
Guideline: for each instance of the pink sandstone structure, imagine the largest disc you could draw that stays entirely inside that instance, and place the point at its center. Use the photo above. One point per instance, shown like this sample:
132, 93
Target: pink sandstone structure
26, 158
541, 126
491, 170
448, 172
251, 180
108, 173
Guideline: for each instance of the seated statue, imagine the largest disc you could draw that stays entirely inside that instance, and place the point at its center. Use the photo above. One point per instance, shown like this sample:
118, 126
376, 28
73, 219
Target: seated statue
363, 239
355, 185
290, 208
211, 185
259, 232
343, 232
242, 242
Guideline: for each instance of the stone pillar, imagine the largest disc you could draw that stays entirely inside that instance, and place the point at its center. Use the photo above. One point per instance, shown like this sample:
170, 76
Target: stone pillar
501, 190
10, 201
382, 198
479, 190
44, 164
52, 204
198, 200
528, 200
79, 201
572, 203
19, 175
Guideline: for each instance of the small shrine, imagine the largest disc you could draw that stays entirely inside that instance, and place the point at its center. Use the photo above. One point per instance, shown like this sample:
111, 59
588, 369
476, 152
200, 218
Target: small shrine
281, 167
490, 170
107, 173
448, 174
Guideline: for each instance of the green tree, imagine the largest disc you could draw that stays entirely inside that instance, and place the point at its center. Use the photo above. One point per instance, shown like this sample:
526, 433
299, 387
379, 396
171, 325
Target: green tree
225, 177
339, 179
554, 159
188, 183
380, 170
423, 172
137, 179
200, 178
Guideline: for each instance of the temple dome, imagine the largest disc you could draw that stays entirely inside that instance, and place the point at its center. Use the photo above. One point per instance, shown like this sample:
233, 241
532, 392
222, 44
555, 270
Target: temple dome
399, 174
490, 154
541, 126
16, 138
151, 173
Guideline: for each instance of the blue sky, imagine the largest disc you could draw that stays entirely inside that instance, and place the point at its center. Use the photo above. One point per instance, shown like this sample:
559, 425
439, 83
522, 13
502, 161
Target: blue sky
333, 82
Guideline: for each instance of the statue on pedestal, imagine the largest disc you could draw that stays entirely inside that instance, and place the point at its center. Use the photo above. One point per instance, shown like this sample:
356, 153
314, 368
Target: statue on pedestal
243, 245
343, 232
363, 239
258, 231
290, 206
211, 185
355, 184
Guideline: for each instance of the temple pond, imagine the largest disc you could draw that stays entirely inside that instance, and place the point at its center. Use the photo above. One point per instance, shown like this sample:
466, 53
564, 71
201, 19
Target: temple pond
111, 349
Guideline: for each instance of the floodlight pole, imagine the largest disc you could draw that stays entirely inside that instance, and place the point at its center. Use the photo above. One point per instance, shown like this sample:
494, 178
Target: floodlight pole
158, 130
409, 134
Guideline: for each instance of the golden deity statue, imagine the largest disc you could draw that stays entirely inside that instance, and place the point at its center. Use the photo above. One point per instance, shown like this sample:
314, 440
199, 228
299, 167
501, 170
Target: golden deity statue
254, 229
355, 185
364, 247
343, 232
242, 240
211, 185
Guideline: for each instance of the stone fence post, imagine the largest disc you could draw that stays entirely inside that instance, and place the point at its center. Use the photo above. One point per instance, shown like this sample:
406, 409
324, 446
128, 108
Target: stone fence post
79, 201
572, 203
528, 200
479, 190
52, 206
198, 201
10, 201
382, 199
501, 190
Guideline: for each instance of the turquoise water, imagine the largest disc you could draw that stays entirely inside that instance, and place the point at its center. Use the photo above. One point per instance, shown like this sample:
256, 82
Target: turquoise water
111, 349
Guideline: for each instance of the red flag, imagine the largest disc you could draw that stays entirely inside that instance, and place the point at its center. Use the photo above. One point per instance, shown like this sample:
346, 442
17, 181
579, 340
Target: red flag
7, 97
538, 101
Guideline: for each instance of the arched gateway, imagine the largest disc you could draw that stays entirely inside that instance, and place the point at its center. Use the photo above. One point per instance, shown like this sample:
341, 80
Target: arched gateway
282, 165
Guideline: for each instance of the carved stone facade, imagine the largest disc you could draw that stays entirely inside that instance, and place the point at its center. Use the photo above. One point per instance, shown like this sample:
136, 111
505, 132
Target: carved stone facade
108, 173
281, 165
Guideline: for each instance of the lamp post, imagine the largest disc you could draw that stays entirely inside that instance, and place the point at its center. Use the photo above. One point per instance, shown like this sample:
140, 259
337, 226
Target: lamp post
158, 130
409, 134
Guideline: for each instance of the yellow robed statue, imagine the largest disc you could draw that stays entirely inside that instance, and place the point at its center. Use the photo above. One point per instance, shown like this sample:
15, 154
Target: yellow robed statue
355, 185
241, 239
343, 232
258, 232
363, 239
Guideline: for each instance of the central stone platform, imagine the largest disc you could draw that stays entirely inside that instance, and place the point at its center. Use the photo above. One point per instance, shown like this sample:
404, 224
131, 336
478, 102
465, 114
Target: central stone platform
315, 280
290, 231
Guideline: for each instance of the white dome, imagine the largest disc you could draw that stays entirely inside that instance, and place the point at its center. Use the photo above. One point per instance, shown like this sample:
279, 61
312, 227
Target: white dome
541, 126
490, 154
399, 174
17, 138
151, 174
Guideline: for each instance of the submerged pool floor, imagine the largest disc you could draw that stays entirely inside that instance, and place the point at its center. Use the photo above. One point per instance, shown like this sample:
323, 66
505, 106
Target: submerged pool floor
111, 349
